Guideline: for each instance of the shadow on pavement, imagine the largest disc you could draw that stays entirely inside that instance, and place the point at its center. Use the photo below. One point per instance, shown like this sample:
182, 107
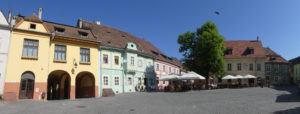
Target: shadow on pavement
291, 95
289, 111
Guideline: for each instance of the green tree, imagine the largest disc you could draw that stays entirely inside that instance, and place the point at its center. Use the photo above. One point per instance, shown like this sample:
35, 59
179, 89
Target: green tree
203, 51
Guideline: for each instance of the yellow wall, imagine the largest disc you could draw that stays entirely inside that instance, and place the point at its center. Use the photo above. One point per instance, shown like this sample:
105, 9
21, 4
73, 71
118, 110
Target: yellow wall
73, 55
26, 26
44, 64
17, 66
245, 66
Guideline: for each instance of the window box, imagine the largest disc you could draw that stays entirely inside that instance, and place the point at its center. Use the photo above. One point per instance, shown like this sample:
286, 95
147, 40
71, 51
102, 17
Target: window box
59, 61
85, 63
29, 58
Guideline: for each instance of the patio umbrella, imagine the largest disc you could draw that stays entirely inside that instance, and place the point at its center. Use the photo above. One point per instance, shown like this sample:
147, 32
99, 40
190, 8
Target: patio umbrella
191, 76
249, 76
169, 77
228, 77
239, 77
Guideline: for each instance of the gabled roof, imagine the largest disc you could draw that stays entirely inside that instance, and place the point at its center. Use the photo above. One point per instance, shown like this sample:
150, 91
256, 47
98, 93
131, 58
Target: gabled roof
3, 19
114, 38
273, 56
33, 18
239, 49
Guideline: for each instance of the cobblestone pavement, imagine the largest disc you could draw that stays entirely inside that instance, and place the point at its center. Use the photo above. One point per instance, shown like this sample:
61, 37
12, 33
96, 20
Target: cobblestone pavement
277, 100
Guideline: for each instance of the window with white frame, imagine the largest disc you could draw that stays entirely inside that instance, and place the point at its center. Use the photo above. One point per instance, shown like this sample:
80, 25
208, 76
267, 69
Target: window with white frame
116, 60
157, 67
132, 61
117, 80
140, 63
30, 48
85, 55
258, 67
169, 69
129, 81
105, 80
164, 68
60, 53
105, 58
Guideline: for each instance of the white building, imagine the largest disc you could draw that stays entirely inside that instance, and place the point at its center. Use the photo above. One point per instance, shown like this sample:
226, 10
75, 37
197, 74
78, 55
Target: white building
4, 44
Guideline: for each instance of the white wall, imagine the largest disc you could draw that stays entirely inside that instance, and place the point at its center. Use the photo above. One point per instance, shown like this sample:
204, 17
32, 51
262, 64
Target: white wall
4, 44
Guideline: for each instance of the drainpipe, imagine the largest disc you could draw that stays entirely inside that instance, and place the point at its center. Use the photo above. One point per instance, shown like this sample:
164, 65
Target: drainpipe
100, 75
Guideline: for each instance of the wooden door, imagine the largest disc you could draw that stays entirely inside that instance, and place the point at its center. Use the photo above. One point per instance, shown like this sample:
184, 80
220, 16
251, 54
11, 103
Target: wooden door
26, 89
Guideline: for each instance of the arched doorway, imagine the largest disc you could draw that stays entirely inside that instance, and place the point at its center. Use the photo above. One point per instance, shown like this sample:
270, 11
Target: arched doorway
58, 86
85, 85
26, 86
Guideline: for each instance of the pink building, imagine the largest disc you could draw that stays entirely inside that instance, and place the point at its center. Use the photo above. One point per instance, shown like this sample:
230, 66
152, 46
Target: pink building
165, 66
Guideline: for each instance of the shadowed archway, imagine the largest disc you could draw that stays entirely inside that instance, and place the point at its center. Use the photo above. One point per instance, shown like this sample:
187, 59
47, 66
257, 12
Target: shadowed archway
58, 86
85, 85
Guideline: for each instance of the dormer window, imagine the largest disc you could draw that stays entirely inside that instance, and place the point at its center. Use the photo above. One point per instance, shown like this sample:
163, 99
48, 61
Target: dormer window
131, 46
57, 29
32, 26
83, 34
154, 52
250, 51
228, 51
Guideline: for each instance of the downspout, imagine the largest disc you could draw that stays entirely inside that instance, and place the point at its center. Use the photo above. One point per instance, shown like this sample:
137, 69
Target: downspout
100, 72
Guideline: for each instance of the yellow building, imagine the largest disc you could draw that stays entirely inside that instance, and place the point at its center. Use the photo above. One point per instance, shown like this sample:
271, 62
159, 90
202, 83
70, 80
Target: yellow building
58, 60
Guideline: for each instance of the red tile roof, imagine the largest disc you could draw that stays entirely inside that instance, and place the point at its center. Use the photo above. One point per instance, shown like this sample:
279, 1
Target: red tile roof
239, 49
273, 56
111, 37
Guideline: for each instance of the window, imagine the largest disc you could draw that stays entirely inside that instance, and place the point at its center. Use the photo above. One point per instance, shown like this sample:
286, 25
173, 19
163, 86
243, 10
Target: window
83, 34
268, 67
157, 67
164, 68
169, 69
228, 52
84, 55
164, 82
129, 81
57, 29
105, 80
117, 81
149, 64
140, 63
116, 60
258, 67
60, 53
250, 51
132, 61
229, 67
105, 58
32, 26
276, 78
239, 67
251, 67
30, 48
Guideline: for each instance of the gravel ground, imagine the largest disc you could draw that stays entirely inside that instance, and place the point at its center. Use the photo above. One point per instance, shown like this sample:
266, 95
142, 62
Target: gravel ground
277, 100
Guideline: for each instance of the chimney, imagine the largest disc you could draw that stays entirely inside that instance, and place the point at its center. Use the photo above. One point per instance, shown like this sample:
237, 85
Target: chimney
98, 22
40, 13
9, 17
80, 23
13, 22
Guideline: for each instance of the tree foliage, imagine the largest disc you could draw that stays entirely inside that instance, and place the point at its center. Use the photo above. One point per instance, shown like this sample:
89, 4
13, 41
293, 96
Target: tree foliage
203, 50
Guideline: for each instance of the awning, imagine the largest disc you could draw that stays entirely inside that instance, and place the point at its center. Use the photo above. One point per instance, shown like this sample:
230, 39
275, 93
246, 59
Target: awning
228, 77
191, 76
169, 77
249, 76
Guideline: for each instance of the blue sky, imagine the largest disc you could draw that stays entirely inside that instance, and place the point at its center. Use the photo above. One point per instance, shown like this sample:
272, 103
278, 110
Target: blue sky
276, 22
